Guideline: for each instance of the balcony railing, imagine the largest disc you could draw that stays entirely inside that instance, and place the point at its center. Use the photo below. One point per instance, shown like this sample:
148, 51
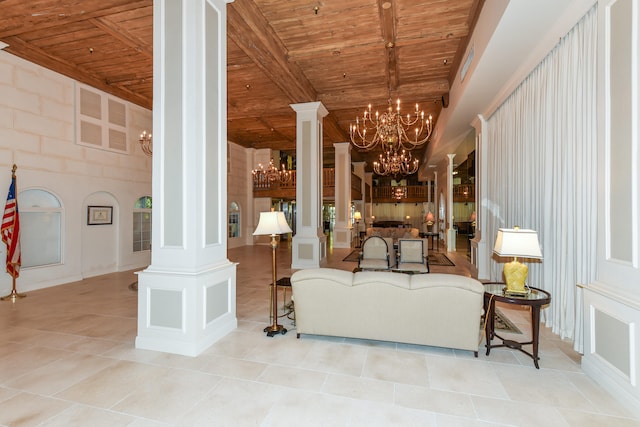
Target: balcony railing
380, 194
265, 188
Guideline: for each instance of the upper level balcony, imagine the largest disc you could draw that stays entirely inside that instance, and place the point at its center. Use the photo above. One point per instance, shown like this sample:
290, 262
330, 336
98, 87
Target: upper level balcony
379, 194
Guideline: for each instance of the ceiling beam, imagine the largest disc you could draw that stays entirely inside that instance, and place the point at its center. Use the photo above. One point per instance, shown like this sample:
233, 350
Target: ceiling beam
249, 29
114, 30
33, 54
386, 9
42, 19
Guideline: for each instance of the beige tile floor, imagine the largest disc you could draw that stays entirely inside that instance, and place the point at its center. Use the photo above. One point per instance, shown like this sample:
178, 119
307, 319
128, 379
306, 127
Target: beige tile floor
67, 358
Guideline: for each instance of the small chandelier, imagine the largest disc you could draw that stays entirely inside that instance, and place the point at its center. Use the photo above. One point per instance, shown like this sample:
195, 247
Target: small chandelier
395, 164
271, 174
146, 143
390, 129
400, 193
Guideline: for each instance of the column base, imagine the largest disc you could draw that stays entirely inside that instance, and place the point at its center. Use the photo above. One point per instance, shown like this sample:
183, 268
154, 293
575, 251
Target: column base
185, 312
308, 252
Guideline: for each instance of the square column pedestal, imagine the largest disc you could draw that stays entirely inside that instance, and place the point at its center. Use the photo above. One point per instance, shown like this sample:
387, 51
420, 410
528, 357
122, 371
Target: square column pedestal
184, 313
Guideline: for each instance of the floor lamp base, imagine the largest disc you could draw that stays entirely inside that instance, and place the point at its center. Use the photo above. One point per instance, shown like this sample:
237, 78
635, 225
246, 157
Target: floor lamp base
274, 330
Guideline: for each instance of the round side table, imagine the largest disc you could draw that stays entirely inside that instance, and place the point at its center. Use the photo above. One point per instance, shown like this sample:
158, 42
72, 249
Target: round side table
535, 299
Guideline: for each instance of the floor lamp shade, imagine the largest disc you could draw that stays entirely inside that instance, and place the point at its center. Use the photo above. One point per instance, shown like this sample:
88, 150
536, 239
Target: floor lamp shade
516, 242
273, 223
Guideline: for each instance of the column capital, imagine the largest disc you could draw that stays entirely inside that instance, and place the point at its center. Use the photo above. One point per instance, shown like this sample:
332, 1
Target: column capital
317, 107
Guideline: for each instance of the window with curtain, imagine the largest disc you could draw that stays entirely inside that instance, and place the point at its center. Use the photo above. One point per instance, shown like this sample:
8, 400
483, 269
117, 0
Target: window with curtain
142, 224
40, 228
234, 220
541, 158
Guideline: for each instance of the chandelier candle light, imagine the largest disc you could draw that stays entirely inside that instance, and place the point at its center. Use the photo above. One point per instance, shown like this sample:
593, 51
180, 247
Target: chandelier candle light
396, 164
271, 174
391, 129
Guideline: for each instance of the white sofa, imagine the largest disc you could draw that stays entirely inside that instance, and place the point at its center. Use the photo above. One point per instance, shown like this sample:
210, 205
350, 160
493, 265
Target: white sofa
440, 310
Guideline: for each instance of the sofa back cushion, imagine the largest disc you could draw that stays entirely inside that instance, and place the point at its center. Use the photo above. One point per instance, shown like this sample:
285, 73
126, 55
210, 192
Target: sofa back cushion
381, 278
449, 281
324, 274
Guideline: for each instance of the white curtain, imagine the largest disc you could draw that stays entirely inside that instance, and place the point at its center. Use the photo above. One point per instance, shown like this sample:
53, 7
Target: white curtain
541, 156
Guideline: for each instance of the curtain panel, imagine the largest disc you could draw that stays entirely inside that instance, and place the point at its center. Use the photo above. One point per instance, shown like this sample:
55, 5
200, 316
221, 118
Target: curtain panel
541, 158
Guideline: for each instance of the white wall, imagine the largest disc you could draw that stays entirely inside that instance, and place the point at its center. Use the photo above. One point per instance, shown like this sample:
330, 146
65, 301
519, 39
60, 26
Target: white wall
37, 133
611, 306
240, 190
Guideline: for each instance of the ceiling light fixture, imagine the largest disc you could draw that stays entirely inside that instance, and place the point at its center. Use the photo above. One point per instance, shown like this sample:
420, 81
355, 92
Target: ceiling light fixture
146, 143
400, 193
262, 176
391, 129
395, 163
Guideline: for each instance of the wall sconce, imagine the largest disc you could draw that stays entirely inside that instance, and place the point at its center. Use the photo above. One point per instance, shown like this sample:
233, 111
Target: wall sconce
146, 143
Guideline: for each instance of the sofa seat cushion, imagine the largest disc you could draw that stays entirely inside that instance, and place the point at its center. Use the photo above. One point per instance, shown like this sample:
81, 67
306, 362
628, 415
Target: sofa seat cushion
413, 267
374, 264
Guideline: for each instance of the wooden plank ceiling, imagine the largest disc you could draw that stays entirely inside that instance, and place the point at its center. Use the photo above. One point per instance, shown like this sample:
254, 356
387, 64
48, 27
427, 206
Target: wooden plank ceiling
346, 54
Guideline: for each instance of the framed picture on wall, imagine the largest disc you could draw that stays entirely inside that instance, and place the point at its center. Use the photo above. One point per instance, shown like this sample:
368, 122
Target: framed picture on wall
99, 215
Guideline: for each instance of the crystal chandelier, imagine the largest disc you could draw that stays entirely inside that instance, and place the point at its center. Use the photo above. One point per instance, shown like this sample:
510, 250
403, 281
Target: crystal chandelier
391, 129
271, 174
146, 143
395, 164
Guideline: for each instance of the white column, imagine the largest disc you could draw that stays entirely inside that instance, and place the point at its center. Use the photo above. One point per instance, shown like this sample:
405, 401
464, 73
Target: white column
187, 296
451, 232
309, 243
480, 252
368, 210
342, 230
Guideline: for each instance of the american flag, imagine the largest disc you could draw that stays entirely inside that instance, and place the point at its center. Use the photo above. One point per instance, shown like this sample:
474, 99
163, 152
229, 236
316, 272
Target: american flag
11, 231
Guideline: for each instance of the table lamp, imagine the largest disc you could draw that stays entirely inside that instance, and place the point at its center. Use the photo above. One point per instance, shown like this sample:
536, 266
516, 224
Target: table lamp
273, 223
517, 242
357, 216
429, 218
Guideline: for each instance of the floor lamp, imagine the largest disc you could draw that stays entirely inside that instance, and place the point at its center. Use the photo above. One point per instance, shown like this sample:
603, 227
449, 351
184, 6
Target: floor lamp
273, 223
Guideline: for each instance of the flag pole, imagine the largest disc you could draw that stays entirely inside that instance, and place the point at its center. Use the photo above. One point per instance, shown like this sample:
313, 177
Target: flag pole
14, 293
11, 236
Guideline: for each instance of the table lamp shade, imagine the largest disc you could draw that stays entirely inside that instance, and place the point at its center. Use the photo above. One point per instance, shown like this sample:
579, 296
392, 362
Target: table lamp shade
357, 216
272, 223
429, 217
515, 243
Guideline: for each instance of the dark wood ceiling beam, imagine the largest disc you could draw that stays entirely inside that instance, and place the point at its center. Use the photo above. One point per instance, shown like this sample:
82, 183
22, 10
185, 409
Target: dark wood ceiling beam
275, 145
386, 9
361, 96
121, 34
42, 19
31, 53
273, 130
249, 29
330, 50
